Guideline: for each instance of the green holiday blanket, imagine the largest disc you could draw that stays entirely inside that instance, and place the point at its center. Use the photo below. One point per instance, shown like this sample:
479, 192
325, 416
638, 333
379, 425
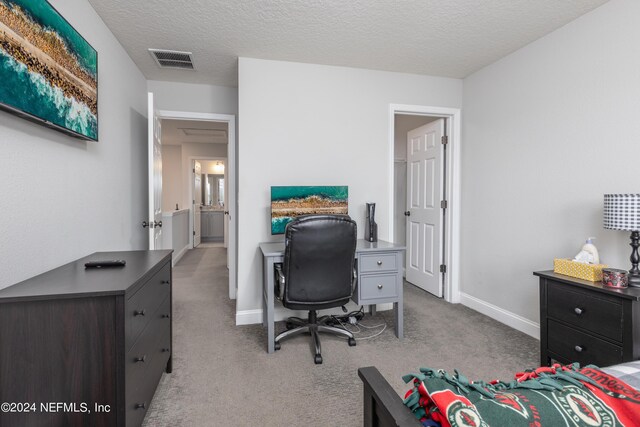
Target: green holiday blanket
548, 396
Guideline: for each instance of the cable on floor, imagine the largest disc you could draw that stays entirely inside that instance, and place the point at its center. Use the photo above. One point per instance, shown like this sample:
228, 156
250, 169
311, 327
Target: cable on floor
356, 316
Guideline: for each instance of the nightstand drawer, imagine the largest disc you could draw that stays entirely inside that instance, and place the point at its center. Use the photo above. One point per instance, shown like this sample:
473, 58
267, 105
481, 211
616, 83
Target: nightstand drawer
585, 310
575, 346
378, 286
378, 262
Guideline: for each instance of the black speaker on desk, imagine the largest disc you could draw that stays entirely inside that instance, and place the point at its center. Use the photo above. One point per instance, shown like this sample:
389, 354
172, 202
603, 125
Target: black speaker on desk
371, 228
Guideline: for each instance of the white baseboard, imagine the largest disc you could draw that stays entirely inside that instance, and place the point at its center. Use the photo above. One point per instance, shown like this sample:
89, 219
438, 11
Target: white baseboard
248, 317
179, 255
251, 317
501, 315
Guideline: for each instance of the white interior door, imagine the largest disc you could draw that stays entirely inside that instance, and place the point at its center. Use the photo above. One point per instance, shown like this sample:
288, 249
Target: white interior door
226, 206
197, 202
424, 194
155, 177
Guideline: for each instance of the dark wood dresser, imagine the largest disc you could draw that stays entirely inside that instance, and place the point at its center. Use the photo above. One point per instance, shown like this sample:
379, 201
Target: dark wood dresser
86, 347
582, 321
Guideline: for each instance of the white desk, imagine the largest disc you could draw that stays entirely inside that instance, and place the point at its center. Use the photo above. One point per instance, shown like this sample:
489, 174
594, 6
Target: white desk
379, 267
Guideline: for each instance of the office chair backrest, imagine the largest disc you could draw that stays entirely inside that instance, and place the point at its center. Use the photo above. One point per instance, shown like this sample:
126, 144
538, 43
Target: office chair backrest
319, 261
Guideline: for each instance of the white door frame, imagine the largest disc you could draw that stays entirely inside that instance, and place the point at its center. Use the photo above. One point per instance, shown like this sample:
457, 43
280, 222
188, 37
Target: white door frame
452, 193
230, 119
192, 159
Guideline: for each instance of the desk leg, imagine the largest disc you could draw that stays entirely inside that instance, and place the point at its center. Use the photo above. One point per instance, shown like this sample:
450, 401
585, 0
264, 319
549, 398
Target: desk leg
399, 307
268, 302
372, 309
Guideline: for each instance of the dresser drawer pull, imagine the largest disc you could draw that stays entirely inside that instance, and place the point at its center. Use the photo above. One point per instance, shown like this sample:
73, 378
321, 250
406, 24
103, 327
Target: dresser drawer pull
578, 311
379, 263
142, 405
139, 312
380, 286
166, 316
165, 350
166, 282
578, 349
141, 359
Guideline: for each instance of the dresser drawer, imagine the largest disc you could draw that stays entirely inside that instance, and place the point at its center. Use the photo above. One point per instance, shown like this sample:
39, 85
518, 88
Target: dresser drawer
141, 306
377, 287
585, 311
151, 349
139, 358
575, 346
138, 401
378, 262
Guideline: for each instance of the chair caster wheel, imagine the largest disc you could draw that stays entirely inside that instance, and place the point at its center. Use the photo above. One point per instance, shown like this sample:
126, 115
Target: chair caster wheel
317, 359
352, 342
276, 346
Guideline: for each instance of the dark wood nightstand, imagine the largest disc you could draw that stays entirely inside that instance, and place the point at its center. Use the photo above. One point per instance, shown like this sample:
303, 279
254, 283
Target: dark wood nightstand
585, 322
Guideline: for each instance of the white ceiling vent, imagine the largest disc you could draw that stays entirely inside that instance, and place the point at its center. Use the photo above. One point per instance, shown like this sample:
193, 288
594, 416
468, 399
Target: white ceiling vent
172, 59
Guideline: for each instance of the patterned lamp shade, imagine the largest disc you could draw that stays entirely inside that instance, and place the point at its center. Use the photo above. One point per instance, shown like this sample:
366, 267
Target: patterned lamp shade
622, 211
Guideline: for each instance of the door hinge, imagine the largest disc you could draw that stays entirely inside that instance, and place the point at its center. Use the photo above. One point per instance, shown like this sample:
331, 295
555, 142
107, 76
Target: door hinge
444, 204
445, 139
443, 268
194, 171
194, 232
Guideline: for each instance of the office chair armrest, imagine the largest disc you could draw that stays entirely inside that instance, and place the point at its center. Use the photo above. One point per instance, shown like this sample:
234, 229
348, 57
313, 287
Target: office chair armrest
279, 281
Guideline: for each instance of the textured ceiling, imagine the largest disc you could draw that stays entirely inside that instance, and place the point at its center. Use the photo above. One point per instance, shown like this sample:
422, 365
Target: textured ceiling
451, 38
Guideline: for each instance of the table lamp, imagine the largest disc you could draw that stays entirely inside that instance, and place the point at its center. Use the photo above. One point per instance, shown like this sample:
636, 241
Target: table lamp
622, 212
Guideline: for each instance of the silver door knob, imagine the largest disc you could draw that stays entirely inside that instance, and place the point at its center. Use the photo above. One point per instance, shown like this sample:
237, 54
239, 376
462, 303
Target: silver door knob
578, 349
578, 311
379, 262
379, 286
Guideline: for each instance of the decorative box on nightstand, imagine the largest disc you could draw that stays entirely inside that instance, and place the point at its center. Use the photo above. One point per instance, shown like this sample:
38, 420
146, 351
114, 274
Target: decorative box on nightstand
586, 322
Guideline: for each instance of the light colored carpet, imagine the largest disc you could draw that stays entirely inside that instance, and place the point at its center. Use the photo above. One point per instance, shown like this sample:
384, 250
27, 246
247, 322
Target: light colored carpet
223, 376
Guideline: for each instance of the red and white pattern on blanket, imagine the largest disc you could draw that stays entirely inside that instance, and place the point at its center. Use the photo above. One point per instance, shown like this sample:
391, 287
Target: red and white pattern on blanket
538, 398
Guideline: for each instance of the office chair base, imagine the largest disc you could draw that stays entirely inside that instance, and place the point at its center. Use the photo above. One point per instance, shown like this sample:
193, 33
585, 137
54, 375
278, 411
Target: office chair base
312, 326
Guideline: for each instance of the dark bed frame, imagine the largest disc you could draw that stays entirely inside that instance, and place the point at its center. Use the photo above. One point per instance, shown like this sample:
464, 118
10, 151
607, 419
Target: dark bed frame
382, 405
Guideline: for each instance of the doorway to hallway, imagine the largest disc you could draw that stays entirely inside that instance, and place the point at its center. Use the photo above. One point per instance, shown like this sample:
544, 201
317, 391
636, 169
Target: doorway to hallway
425, 198
204, 126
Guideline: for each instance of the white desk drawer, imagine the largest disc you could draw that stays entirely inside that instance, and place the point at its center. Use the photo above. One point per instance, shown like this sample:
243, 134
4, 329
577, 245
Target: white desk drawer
378, 262
378, 286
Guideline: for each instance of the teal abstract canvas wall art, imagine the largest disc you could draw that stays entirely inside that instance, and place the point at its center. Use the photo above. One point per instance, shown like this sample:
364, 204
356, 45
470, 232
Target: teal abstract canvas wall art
290, 202
48, 71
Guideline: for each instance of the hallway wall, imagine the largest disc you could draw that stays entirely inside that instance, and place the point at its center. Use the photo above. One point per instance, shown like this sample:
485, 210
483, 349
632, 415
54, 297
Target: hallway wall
84, 196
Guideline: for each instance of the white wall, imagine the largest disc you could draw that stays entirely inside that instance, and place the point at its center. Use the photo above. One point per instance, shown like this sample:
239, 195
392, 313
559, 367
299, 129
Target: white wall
86, 196
304, 124
175, 233
190, 97
172, 178
547, 130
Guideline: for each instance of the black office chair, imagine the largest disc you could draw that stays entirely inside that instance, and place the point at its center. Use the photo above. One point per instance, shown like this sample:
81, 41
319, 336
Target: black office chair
317, 273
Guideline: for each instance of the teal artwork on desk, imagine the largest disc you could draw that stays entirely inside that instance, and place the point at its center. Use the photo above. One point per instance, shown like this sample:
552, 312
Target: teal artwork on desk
48, 71
290, 202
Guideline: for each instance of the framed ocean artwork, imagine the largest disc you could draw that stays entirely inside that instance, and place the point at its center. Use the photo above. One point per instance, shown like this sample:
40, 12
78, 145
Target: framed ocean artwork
48, 71
290, 202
